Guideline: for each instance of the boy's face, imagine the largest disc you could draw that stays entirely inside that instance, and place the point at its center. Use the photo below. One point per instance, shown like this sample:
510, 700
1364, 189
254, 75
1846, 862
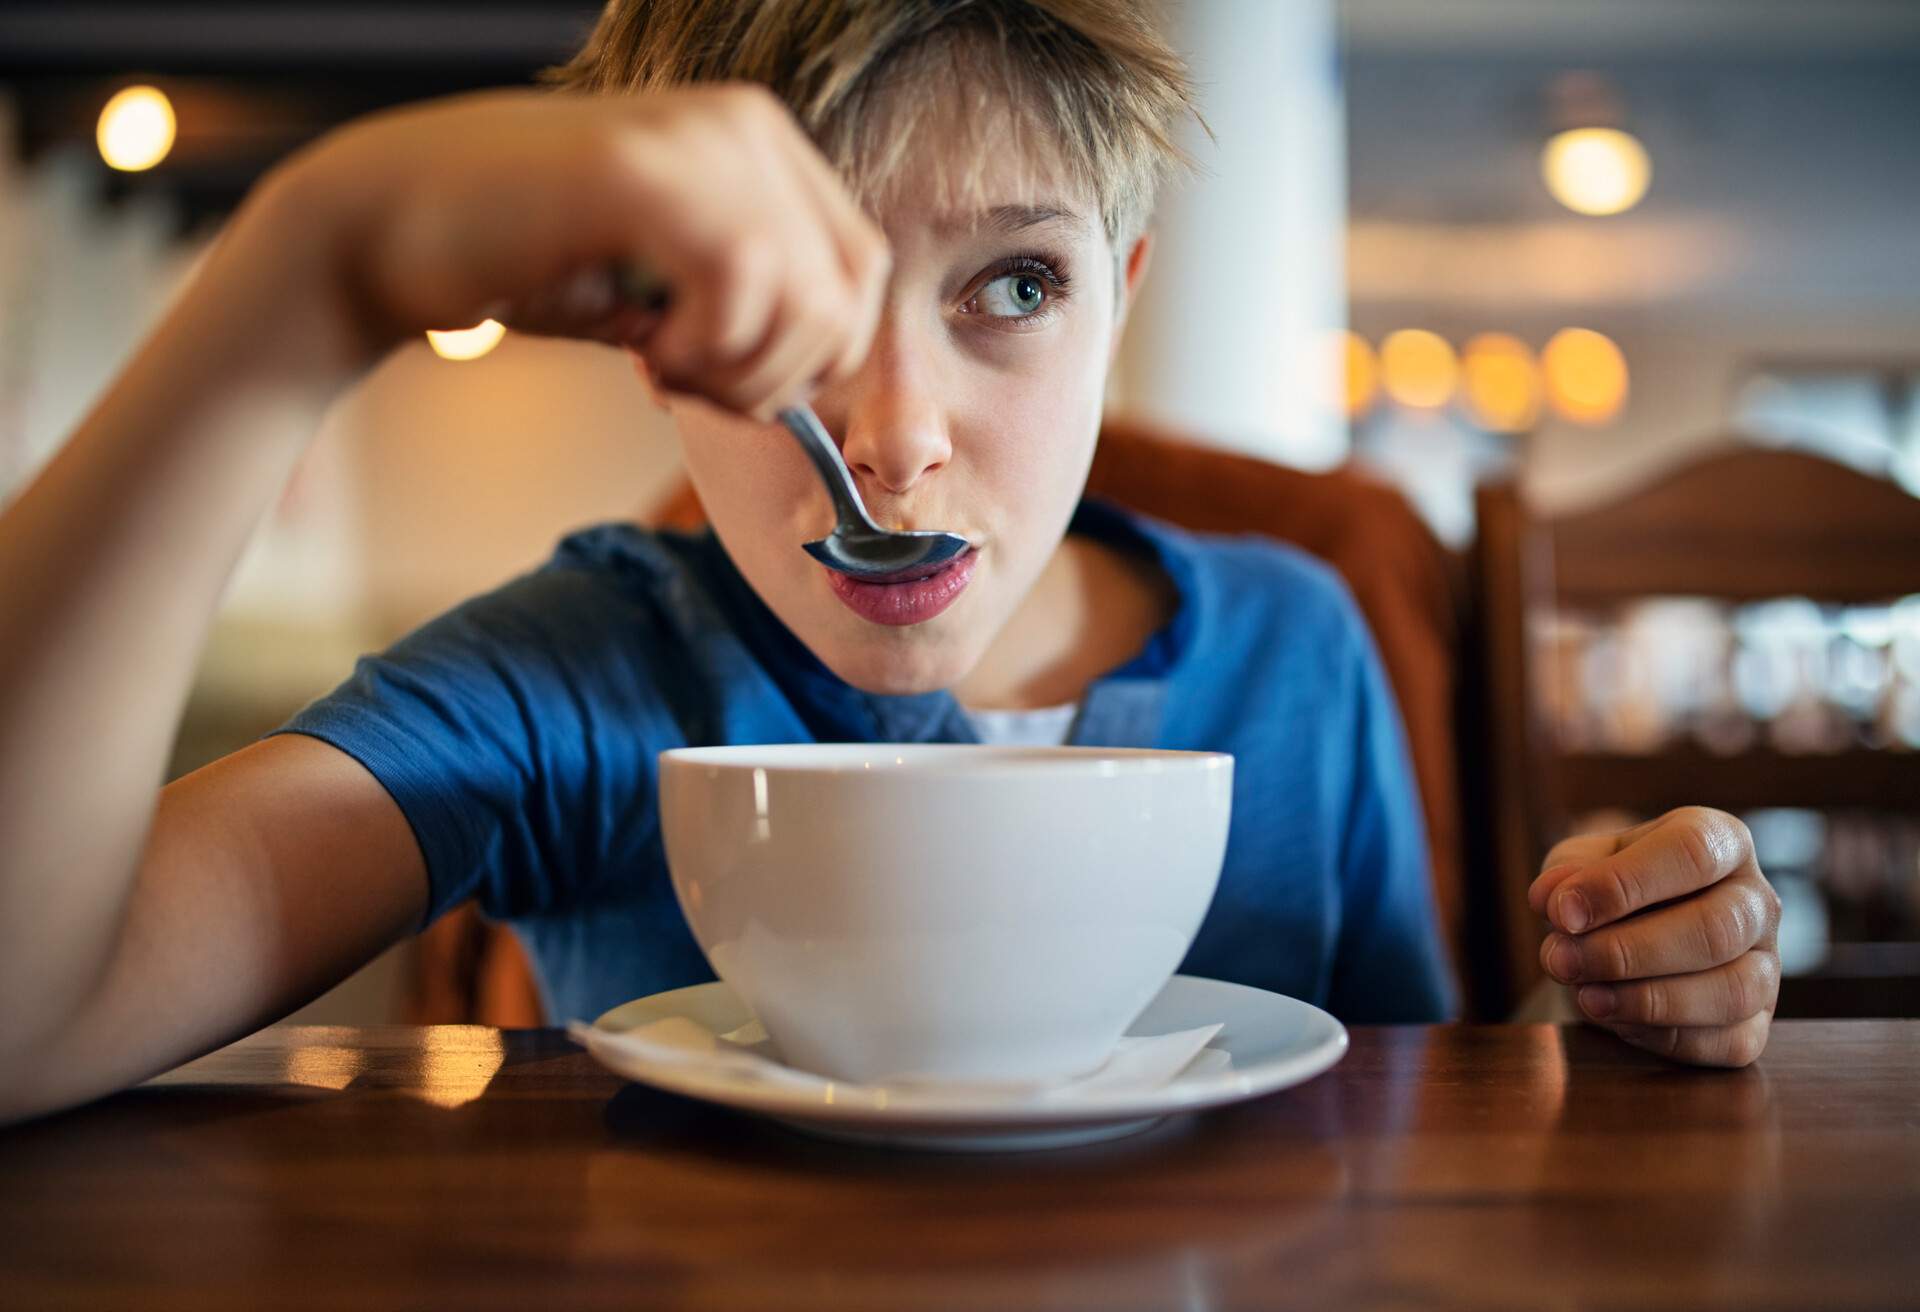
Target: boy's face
976, 413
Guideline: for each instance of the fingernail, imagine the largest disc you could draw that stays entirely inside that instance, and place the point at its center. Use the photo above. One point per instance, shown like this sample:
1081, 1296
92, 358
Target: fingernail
1573, 914
1563, 959
1540, 889
1598, 1001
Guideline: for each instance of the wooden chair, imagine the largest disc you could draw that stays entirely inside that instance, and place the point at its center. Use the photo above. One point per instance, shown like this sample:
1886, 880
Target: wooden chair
1742, 524
1406, 586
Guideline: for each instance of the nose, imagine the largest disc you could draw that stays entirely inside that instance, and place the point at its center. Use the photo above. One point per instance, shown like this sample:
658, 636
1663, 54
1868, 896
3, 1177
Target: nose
894, 427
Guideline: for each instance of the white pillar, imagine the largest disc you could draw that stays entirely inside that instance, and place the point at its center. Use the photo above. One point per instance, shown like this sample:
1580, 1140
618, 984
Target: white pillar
1248, 276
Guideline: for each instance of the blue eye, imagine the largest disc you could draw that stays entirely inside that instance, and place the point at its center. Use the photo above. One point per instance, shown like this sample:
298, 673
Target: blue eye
1012, 296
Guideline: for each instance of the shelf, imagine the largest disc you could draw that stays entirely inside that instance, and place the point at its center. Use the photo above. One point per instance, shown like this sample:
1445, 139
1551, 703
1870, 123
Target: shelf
1857, 979
1691, 775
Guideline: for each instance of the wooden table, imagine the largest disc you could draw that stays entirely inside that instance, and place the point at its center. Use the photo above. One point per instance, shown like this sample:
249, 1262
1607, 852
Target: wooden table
1471, 1167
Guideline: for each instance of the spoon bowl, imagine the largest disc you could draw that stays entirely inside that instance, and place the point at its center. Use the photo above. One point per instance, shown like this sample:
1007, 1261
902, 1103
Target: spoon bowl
858, 547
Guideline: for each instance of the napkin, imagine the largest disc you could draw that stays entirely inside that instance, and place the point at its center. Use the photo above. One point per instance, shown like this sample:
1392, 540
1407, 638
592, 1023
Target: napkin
1136, 1065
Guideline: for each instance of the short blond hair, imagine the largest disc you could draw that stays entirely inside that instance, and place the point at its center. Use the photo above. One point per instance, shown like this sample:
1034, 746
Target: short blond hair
1093, 81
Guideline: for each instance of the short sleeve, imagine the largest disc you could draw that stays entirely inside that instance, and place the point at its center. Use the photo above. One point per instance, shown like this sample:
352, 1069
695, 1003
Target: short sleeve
517, 733
1389, 964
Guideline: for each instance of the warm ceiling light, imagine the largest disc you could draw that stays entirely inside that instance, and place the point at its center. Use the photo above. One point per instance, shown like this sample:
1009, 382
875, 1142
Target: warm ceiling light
466, 343
1502, 384
1596, 170
1586, 375
1418, 368
136, 129
1362, 374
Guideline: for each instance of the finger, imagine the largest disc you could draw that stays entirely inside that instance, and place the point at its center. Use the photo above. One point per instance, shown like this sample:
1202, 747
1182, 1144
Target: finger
1703, 1045
795, 351
1567, 856
1724, 995
584, 297
854, 234
1542, 888
870, 290
723, 316
862, 250
1707, 930
1685, 851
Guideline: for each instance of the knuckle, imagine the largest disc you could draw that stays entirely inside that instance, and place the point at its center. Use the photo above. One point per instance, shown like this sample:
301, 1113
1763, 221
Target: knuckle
1737, 830
1697, 842
1714, 839
1752, 914
1723, 932
1616, 957
1770, 899
1612, 892
1655, 1005
1742, 991
1761, 984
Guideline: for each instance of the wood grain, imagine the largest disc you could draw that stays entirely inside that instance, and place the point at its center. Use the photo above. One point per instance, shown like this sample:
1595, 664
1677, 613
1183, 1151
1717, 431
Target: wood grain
1469, 1167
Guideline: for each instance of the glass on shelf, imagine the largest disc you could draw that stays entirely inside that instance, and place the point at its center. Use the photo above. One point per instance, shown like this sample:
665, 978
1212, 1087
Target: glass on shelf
1799, 677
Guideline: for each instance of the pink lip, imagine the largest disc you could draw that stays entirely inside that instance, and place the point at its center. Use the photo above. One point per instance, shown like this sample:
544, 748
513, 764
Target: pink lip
914, 601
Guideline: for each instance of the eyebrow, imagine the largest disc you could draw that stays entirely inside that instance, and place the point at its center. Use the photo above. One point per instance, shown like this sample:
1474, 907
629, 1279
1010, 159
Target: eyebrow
1014, 218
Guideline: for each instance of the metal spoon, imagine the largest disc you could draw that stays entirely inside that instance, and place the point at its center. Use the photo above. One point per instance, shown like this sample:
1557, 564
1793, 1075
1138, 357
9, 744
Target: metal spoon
857, 547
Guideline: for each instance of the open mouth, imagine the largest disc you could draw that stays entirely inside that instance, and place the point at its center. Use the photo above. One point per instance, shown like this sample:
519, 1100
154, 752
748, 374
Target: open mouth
913, 596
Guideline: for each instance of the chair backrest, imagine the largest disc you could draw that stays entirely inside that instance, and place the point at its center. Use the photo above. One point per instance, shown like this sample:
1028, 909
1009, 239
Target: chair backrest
1741, 524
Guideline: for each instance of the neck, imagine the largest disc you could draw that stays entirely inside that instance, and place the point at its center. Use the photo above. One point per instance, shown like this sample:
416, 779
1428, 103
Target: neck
1090, 611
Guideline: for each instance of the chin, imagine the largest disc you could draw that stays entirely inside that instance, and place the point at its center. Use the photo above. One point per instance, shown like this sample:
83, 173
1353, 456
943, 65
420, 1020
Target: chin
898, 670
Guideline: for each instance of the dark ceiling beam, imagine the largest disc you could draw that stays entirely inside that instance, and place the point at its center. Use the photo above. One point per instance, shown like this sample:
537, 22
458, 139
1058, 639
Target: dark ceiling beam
91, 37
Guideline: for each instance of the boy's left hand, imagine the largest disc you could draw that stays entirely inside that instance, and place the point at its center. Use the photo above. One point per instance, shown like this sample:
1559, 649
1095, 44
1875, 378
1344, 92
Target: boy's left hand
1668, 934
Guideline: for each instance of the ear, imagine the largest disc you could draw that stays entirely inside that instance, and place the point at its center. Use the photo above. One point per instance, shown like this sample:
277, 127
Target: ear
1132, 270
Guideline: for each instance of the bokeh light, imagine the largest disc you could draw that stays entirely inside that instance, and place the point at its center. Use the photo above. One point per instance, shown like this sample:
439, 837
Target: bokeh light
466, 343
1501, 382
136, 129
1586, 375
1418, 368
1359, 373
1596, 170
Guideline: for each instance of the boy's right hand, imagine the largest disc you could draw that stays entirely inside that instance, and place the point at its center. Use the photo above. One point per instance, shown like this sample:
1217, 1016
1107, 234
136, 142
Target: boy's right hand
517, 205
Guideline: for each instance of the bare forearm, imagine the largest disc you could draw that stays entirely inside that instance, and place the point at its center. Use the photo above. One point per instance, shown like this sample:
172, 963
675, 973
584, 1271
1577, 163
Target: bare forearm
111, 566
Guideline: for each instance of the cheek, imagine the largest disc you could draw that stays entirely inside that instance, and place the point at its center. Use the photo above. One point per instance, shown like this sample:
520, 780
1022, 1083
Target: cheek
746, 474
1034, 428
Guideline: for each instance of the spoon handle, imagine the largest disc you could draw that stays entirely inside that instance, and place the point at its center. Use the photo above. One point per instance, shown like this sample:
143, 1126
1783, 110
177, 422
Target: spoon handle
828, 463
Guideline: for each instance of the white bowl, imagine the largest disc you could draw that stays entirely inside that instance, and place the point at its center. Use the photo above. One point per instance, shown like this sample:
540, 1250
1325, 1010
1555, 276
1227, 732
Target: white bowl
895, 913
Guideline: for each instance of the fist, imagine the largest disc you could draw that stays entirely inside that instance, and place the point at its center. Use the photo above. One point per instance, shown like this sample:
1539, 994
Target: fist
520, 205
1668, 935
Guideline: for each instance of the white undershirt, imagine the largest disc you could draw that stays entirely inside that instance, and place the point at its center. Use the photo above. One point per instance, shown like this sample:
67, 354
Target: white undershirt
1046, 727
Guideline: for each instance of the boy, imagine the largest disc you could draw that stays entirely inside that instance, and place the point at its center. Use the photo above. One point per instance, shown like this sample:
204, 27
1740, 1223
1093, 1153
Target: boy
928, 218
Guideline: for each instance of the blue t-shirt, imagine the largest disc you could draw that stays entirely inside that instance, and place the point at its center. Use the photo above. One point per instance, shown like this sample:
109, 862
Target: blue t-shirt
519, 732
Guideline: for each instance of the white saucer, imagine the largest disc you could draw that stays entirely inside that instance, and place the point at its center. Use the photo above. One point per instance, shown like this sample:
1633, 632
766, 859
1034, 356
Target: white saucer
1273, 1042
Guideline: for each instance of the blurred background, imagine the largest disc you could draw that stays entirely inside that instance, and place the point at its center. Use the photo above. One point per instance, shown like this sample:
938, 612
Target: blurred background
1566, 248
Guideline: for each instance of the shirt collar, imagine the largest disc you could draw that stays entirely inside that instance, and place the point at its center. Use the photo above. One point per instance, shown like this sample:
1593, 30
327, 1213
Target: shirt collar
1124, 707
